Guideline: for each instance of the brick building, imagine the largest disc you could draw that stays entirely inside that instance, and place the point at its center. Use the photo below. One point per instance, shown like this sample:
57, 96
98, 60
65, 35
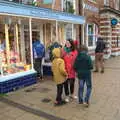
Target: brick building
98, 14
110, 26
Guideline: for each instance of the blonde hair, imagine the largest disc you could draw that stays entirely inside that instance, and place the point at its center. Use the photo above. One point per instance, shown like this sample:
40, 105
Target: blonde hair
83, 48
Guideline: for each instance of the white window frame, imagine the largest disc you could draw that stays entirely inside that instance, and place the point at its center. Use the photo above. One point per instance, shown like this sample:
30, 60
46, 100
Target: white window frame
95, 33
106, 2
93, 1
117, 5
72, 1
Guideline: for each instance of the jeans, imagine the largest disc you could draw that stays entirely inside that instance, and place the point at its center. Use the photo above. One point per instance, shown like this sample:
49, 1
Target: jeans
82, 82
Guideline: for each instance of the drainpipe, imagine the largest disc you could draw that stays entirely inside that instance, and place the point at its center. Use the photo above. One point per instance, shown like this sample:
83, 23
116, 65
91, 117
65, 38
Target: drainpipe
81, 27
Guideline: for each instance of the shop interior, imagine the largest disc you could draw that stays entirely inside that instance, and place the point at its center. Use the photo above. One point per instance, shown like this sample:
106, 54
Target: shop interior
14, 45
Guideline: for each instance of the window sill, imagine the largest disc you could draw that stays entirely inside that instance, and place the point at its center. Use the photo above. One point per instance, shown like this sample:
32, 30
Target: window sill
91, 47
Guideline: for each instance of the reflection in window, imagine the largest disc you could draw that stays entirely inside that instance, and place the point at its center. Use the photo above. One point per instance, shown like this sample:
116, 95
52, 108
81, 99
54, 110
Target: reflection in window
92, 34
15, 49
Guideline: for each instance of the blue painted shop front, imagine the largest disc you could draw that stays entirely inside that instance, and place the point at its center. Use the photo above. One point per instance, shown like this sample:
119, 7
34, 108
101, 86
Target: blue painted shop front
15, 75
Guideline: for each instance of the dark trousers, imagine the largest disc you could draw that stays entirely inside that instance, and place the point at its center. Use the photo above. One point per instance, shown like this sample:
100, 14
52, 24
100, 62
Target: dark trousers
37, 66
69, 86
59, 93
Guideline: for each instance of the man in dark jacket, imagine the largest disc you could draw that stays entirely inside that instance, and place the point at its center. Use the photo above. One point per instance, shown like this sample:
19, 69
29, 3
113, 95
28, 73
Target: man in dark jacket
99, 53
83, 65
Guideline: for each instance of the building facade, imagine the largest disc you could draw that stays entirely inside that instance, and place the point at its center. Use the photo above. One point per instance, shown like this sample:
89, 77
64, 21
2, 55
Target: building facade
21, 24
110, 26
99, 14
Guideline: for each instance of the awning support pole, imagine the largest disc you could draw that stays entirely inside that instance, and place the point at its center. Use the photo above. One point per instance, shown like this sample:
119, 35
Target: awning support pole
30, 29
56, 30
7, 44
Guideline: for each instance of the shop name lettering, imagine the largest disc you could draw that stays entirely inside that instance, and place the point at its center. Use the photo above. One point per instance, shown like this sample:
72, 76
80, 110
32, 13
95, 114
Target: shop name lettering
91, 8
44, 14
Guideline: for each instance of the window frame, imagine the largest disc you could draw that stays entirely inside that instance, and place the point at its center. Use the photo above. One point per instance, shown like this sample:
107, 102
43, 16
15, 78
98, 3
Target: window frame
93, 1
95, 33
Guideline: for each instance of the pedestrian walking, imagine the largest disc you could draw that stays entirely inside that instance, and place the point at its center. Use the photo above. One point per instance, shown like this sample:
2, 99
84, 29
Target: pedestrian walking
83, 65
38, 54
69, 56
59, 74
99, 54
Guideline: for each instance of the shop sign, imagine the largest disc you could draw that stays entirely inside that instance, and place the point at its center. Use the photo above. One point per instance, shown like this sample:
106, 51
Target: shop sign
91, 8
23, 10
44, 14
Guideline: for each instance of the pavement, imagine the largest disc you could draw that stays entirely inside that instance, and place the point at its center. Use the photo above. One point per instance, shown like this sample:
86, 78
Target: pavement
37, 101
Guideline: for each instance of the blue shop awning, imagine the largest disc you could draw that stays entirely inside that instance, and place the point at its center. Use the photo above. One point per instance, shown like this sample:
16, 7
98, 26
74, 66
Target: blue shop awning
11, 8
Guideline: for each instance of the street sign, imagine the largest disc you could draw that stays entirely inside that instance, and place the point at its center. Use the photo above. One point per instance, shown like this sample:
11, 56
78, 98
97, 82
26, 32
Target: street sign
114, 21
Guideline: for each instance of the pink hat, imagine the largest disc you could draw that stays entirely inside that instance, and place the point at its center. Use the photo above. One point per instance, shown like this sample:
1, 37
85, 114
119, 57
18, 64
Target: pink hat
76, 42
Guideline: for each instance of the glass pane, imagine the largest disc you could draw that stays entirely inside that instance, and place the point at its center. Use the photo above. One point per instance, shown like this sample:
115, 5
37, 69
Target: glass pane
15, 45
90, 29
90, 40
68, 29
47, 1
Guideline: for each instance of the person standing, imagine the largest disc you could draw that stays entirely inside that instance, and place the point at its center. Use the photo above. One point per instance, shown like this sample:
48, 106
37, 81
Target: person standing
99, 54
69, 55
83, 66
59, 74
38, 54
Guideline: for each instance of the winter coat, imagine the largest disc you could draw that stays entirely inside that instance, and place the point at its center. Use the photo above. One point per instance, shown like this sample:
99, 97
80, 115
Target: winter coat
69, 59
38, 49
83, 65
58, 67
100, 46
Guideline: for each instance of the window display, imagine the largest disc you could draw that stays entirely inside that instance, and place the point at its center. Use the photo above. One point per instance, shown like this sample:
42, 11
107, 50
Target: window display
15, 50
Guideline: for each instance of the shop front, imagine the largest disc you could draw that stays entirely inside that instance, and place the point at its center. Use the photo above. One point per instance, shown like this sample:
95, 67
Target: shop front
19, 24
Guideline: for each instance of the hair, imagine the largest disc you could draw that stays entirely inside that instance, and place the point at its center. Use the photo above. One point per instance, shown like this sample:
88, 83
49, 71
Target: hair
83, 48
72, 44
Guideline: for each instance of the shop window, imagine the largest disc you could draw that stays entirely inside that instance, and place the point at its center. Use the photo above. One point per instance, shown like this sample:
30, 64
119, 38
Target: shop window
117, 4
15, 51
68, 31
92, 0
106, 2
92, 32
47, 1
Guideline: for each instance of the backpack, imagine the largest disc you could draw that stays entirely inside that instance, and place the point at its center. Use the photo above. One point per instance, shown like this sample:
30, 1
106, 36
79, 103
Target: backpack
39, 49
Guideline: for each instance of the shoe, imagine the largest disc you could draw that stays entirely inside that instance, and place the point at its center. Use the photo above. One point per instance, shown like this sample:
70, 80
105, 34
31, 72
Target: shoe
80, 103
73, 97
67, 99
102, 71
86, 104
59, 103
95, 71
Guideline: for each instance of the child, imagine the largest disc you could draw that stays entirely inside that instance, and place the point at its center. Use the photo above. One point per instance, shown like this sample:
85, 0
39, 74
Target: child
59, 73
69, 56
83, 65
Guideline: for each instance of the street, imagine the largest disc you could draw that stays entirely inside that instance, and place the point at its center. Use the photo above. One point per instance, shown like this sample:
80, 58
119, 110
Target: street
37, 102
